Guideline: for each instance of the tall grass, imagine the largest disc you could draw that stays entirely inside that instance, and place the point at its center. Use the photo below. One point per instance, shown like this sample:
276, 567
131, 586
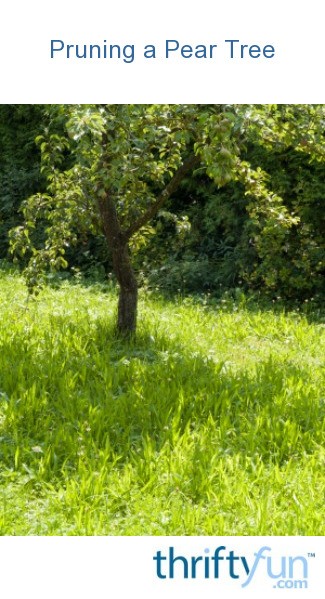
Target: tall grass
211, 422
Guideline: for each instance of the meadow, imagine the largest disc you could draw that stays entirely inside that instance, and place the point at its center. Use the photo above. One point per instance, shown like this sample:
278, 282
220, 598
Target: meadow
211, 422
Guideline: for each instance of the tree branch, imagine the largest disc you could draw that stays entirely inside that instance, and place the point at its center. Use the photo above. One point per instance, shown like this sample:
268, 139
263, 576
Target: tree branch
173, 184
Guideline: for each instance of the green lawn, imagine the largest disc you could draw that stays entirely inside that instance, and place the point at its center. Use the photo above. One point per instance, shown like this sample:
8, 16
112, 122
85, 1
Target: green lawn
212, 422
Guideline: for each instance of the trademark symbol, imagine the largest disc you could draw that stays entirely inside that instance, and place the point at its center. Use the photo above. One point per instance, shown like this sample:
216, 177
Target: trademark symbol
311, 554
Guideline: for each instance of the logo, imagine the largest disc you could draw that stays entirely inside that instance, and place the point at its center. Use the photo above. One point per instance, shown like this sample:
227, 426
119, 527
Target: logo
283, 572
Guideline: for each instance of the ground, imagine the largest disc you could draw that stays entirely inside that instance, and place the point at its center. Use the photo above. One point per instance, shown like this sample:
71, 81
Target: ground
210, 423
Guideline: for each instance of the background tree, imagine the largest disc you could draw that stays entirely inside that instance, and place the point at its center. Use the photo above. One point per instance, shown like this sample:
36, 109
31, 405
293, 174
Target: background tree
116, 166
19, 162
223, 244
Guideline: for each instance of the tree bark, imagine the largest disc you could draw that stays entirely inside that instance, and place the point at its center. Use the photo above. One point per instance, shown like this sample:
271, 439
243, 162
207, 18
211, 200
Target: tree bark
117, 242
128, 296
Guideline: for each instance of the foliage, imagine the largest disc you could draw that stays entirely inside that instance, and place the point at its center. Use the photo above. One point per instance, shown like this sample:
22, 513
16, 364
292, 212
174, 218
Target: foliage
227, 245
251, 203
19, 163
211, 423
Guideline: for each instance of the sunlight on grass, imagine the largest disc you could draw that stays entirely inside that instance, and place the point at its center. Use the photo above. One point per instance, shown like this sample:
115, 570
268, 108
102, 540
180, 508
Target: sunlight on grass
211, 422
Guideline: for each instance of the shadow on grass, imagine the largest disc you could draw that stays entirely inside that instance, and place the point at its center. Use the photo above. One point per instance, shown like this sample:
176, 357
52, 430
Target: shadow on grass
107, 397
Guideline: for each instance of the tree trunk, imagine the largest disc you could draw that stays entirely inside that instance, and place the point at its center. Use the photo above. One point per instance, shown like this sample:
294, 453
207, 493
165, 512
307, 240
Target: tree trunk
117, 242
128, 296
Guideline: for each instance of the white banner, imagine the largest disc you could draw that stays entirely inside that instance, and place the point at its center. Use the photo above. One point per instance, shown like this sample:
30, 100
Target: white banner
178, 52
173, 567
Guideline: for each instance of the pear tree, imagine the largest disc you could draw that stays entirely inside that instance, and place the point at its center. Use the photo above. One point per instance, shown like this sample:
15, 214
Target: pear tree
111, 169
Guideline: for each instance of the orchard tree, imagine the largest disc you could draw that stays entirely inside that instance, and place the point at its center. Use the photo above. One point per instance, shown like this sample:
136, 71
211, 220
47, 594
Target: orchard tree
116, 166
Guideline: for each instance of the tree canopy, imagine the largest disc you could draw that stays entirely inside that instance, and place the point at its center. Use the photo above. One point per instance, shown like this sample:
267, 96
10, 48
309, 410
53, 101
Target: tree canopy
112, 169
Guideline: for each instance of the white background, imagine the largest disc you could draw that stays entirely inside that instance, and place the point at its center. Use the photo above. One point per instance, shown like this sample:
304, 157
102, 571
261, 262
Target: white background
294, 75
123, 567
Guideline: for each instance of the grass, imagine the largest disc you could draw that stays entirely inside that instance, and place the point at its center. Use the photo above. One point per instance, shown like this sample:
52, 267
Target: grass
210, 423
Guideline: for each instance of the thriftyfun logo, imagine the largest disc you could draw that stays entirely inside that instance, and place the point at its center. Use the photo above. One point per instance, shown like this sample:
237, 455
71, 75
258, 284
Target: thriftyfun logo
284, 572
